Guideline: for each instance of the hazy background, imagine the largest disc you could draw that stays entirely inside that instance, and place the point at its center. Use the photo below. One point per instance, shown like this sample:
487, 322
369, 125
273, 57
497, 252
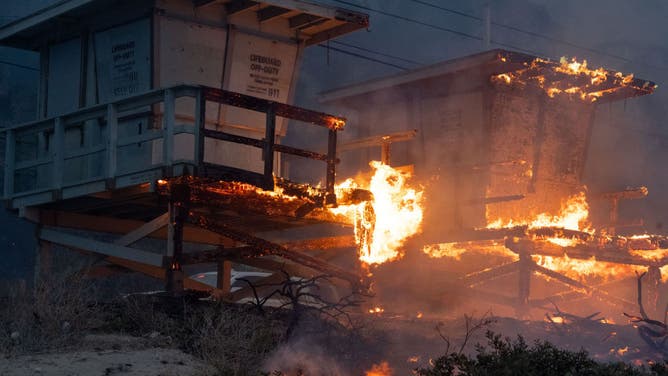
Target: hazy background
629, 150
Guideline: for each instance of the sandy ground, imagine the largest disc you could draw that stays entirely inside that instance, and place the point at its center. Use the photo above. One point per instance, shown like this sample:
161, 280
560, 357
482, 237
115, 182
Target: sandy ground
106, 355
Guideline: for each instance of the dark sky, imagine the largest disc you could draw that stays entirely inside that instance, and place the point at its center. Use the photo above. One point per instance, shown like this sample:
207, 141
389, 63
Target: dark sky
619, 34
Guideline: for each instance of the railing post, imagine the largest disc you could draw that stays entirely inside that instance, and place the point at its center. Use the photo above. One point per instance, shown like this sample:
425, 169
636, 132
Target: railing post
10, 161
200, 124
331, 168
169, 118
270, 137
112, 144
58, 154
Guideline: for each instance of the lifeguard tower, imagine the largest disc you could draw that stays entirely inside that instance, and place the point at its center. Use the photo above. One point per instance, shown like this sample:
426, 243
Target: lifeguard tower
164, 119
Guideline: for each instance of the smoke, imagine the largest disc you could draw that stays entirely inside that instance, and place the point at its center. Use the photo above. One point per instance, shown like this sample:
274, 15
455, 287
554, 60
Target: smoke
303, 357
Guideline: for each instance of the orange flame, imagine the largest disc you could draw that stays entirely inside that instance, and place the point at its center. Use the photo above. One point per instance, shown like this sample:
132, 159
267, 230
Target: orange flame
382, 369
590, 90
383, 225
572, 216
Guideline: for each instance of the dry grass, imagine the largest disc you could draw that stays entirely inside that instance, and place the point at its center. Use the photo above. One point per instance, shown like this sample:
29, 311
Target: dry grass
53, 315
233, 340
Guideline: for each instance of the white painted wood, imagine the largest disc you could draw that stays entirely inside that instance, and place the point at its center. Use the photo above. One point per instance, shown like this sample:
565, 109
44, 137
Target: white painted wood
112, 141
99, 247
143, 231
169, 119
10, 158
58, 154
170, 229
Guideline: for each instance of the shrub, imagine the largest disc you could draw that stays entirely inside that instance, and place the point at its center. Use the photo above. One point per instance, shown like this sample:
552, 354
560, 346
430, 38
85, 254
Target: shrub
503, 356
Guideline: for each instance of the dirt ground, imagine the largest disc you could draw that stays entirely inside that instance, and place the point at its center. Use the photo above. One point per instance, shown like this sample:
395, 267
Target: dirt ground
107, 355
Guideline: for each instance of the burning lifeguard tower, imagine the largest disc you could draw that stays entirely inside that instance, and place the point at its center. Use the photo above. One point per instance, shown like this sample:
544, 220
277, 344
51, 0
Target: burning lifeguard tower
502, 137
163, 119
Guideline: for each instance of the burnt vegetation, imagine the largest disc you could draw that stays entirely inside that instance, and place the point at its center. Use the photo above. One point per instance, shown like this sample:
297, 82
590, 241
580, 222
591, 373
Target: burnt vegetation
505, 356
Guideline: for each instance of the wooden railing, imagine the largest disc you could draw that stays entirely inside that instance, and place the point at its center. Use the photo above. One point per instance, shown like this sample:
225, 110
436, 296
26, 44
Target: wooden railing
53, 160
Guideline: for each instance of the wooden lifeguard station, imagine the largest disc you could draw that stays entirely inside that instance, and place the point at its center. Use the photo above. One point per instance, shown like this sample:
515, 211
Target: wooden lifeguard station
163, 119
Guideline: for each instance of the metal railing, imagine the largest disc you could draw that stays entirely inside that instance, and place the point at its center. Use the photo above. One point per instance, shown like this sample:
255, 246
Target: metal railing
46, 150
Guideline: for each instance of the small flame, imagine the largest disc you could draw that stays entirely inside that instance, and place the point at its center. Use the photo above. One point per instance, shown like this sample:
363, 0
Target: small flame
376, 310
382, 369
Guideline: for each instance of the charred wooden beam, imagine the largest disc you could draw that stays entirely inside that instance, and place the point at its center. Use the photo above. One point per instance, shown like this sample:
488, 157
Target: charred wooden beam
559, 232
495, 200
264, 247
227, 173
303, 20
201, 3
378, 140
489, 274
238, 6
483, 234
123, 226
321, 243
217, 254
282, 110
271, 12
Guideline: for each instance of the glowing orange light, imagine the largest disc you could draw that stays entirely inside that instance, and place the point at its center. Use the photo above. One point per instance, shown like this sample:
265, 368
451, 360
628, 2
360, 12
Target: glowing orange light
383, 225
382, 369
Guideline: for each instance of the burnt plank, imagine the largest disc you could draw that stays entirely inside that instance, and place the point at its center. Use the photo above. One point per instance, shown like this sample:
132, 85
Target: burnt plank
271, 12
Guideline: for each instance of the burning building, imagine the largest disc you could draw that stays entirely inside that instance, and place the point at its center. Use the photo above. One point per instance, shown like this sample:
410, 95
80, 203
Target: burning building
500, 142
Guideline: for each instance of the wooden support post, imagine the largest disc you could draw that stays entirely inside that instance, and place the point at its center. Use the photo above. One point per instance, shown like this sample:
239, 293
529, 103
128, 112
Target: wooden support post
653, 284
538, 141
614, 210
58, 154
525, 269
179, 203
169, 118
224, 281
331, 168
112, 144
269, 140
200, 124
10, 161
385, 153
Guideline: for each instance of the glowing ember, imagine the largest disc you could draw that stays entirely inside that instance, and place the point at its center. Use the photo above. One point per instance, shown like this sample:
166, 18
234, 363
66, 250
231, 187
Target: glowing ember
591, 84
383, 225
376, 310
382, 369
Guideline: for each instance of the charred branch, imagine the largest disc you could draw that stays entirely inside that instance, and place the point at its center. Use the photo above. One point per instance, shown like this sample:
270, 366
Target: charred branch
655, 333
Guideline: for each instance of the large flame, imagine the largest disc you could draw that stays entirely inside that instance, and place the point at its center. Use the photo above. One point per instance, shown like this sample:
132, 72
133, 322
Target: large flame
383, 224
